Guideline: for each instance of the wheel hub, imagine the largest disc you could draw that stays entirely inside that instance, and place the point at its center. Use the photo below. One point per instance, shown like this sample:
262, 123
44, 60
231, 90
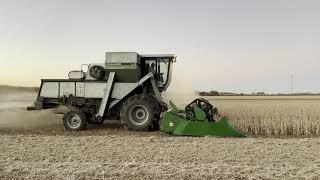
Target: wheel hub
138, 114
74, 121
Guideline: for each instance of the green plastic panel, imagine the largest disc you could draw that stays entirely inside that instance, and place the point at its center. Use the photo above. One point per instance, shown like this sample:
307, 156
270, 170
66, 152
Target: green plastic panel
174, 124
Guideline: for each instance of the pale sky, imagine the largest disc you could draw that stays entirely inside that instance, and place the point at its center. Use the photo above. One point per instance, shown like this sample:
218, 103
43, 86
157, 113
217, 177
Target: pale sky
225, 45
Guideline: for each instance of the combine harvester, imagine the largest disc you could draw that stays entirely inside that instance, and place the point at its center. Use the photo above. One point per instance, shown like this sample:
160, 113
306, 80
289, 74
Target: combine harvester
128, 87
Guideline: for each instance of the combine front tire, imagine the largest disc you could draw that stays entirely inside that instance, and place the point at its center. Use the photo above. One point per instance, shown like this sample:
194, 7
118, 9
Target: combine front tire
140, 113
74, 120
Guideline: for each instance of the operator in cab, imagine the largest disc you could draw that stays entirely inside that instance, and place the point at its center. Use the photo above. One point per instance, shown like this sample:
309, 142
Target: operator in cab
152, 68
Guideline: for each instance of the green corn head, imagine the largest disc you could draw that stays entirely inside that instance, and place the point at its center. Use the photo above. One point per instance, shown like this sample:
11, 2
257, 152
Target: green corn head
174, 122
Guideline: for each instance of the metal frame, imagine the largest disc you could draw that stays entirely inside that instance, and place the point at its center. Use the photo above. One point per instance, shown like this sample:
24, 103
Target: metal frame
106, 97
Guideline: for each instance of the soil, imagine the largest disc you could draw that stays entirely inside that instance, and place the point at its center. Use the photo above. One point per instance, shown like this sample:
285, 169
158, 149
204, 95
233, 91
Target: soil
34, 145
109, 151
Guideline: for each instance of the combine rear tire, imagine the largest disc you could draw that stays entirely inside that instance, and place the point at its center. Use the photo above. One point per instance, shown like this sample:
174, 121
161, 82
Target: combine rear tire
140, 113
74, 120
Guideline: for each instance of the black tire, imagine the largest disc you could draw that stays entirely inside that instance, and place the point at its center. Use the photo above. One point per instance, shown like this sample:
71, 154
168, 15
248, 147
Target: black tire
156, 124
140, 113
75, 120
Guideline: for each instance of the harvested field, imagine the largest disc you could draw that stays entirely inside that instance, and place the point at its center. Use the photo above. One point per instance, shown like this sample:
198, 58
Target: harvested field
34, 145
115, 153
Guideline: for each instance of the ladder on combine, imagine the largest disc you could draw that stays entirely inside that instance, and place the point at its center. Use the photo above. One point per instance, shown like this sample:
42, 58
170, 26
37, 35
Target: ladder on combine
106, 96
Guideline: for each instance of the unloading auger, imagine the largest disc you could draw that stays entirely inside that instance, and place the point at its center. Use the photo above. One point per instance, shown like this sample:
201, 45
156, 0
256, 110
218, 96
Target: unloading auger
198, 119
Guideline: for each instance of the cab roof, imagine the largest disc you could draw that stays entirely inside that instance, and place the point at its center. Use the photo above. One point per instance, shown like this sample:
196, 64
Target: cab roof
158, 55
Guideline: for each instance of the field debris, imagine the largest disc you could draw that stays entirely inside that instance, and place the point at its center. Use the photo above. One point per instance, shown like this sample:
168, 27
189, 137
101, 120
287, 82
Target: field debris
116, 153
36, 146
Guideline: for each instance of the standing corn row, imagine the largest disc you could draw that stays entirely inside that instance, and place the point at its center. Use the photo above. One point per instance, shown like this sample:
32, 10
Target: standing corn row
273, 118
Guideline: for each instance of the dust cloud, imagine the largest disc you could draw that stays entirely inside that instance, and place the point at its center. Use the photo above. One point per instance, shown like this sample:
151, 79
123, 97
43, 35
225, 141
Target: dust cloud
13, 113
180, 92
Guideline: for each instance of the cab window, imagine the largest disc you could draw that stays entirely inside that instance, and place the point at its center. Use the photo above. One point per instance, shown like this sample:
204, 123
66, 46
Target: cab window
163, 69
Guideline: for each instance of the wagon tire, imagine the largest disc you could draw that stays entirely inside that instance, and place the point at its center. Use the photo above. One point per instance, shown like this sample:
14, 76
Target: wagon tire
75, 120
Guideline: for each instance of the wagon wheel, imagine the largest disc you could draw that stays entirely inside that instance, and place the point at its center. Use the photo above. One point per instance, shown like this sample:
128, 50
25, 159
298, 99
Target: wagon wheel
75, 120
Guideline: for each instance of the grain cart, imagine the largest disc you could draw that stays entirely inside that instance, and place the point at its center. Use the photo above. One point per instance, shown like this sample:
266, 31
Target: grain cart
127, 86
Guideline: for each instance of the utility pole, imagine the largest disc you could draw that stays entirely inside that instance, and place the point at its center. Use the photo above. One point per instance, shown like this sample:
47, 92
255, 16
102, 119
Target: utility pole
291, 77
